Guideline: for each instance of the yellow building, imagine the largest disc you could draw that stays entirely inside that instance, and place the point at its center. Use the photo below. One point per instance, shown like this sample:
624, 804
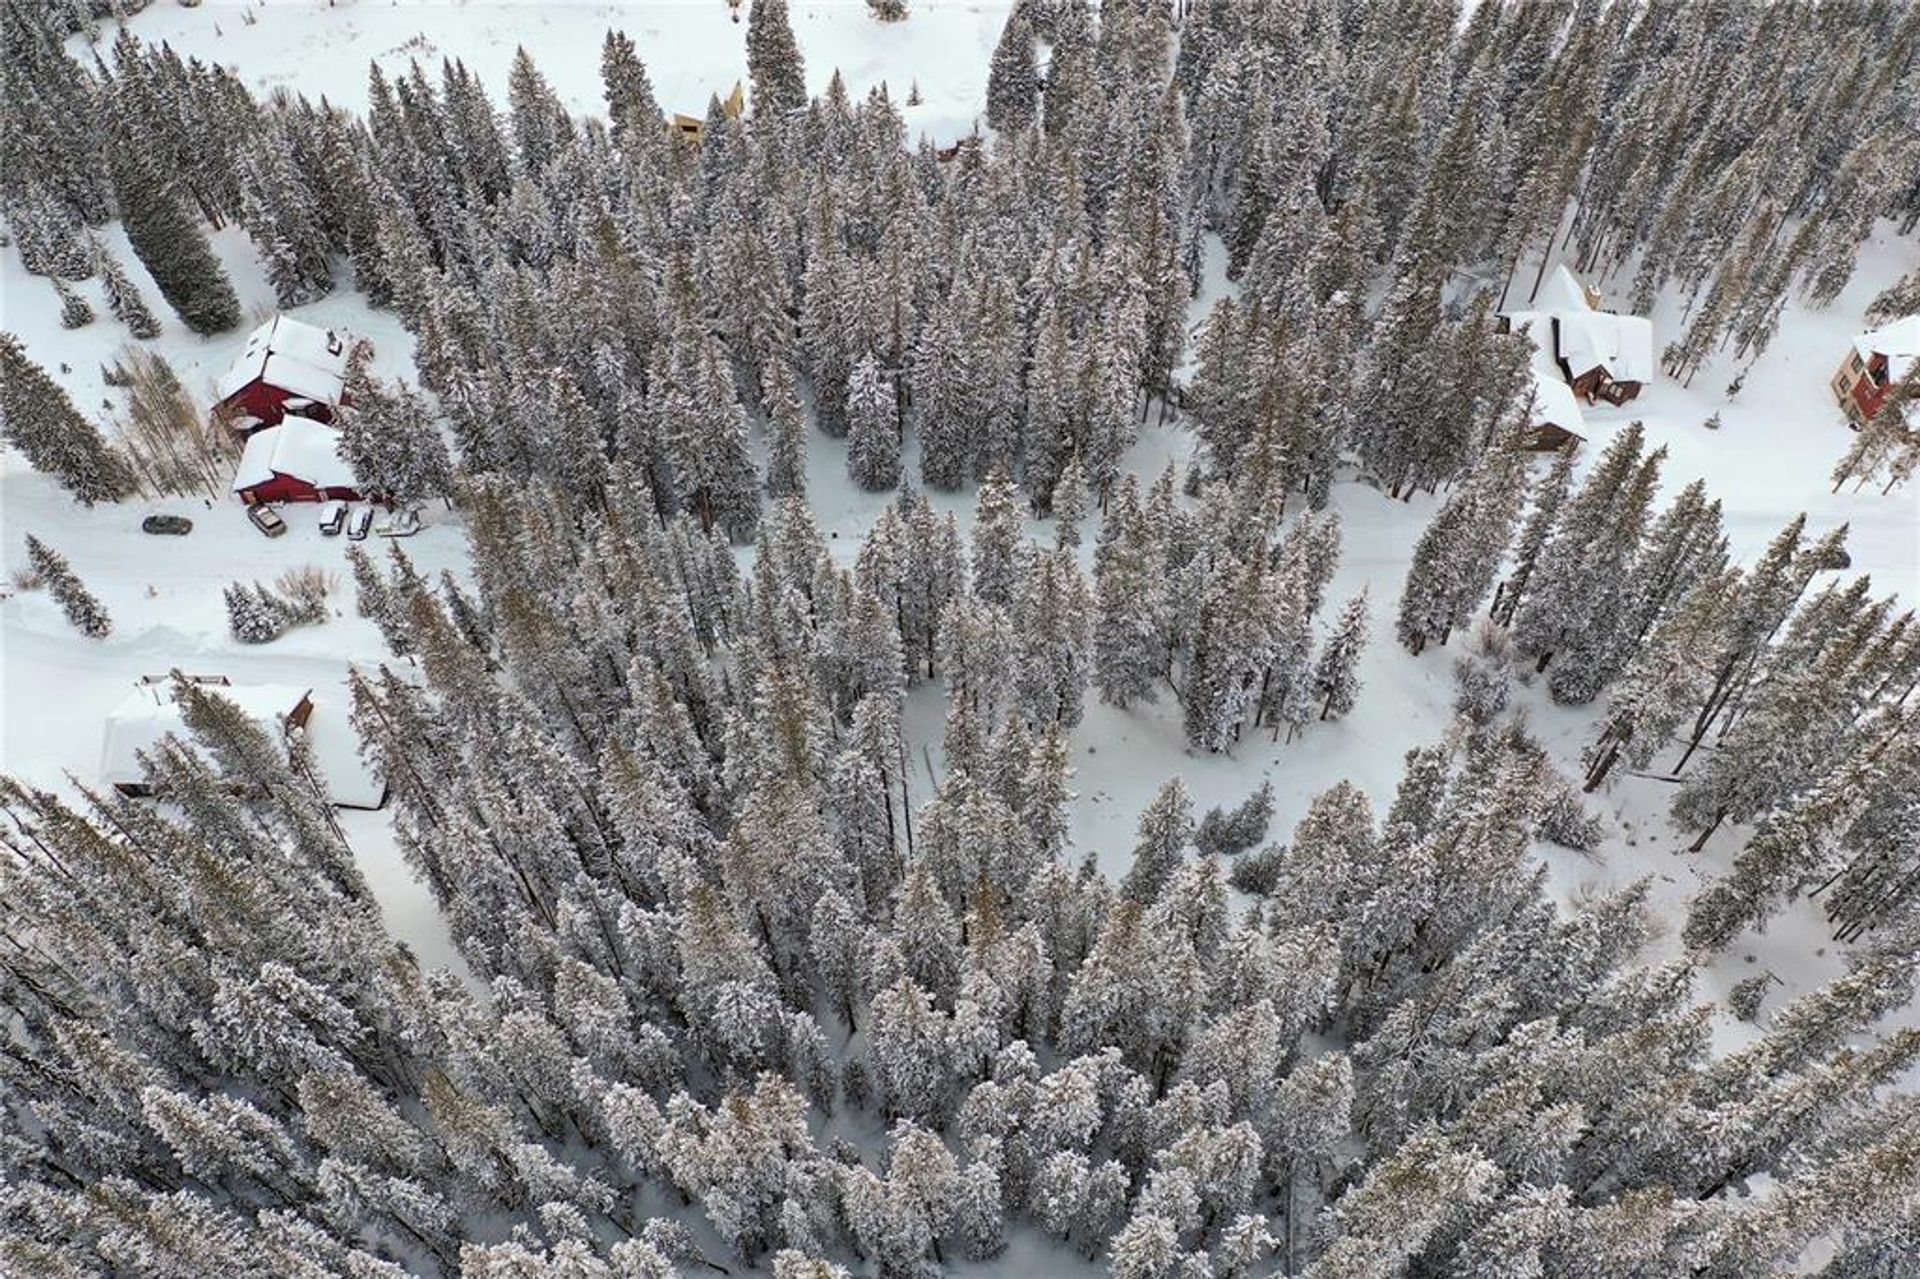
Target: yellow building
691, 126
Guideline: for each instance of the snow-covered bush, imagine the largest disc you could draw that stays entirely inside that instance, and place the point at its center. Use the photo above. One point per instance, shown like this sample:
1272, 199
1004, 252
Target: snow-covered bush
1224, 832
1483, 675
1259, 872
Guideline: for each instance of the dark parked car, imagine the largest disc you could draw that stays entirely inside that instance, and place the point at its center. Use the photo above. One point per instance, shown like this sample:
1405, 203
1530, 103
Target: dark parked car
167, 525
267, 520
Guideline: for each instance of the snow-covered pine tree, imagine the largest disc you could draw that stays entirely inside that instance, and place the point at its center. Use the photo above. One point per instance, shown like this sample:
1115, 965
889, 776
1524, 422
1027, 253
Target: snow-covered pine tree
170, 244
1336, 680
277, 207
38, 418
251, 616
1166, 828
1224, 832
393, 443
786, 431
1012, 80
873, 428
1130, 627
87, 614
75, 311
123, 295
773, 61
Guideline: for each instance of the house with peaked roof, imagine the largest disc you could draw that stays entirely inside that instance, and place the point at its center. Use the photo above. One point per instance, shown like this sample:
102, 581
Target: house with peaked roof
1878, 359
286, 367
149, 715
1599, 354
297, 461
691, 127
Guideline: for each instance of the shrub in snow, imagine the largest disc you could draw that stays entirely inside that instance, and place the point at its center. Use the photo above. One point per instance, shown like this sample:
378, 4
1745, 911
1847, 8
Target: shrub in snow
1745, 997
1223, 832
1260, 873
303, 593
87, 614
75, 311
888, 10
1483, 676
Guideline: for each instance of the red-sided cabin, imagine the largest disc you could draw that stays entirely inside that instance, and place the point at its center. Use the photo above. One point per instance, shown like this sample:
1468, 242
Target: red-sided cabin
296, 461
287, 367
1877, 360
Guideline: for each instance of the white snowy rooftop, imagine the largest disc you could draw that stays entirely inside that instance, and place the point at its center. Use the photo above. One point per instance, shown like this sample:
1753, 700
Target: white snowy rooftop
149, 714
1555, 404
1899, 342
1620, 344
297, 357
1561, 291
1589, 339
300, 447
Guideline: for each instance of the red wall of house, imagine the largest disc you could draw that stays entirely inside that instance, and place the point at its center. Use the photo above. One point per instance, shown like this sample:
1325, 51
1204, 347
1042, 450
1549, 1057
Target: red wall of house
1868, 394
267, 402
288, 488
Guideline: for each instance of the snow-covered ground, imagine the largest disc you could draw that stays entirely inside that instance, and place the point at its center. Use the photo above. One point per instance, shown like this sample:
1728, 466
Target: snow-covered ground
693, 49
1770, 459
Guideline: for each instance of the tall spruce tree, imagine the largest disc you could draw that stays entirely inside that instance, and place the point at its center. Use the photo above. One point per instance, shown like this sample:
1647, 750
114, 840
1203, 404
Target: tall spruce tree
170, 243
38, 418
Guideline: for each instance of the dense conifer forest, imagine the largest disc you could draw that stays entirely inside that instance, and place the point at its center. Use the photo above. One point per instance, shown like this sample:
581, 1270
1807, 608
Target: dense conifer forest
743, 999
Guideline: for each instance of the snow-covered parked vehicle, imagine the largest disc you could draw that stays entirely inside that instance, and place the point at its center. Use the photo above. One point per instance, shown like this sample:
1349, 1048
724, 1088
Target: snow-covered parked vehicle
267, 520
333, 518
358, 523
399, 524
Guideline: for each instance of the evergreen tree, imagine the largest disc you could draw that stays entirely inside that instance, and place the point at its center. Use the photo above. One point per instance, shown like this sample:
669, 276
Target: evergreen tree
786, 433
123, 296
773, 60
75, 311
170, 244
38, 418
873, 430
393, 444
86, 613
1166, 827
1012, 80
1336, 682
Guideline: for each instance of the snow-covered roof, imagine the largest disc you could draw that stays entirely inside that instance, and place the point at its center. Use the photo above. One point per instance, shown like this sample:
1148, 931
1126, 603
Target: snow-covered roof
1561, 291
300, 447
1554, 404
149, 713
1620, 344
336, 756
293, 356
1538, 326
1899, 342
